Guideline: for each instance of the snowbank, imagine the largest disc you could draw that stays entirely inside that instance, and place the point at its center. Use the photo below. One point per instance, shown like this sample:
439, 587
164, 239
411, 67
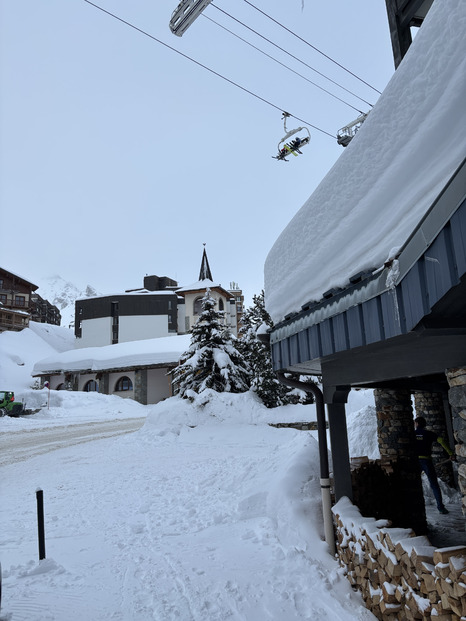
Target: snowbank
221, 520
21, 350
386, 179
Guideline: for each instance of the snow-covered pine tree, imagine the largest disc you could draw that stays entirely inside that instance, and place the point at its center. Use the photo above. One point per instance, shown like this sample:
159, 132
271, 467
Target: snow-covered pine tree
263, 380
212, 359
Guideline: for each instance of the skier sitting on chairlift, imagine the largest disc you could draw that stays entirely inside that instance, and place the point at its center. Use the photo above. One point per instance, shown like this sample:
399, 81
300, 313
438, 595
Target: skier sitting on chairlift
294, 144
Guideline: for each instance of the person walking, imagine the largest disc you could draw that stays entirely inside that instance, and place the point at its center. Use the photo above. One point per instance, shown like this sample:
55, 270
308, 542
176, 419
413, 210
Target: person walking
424, 441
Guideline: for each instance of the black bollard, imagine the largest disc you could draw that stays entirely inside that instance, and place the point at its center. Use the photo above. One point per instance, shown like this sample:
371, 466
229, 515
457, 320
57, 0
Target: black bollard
40, 523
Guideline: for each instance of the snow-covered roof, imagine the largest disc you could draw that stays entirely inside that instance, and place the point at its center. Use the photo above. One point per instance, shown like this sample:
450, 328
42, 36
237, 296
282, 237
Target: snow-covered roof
200, 285
145, 292
20, 277
165, 350
387, 178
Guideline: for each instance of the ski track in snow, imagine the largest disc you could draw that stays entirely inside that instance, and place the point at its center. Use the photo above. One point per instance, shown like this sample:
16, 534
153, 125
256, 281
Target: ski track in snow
195, 540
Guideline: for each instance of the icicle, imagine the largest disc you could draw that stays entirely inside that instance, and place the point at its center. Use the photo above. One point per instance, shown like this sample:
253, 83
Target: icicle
392, 276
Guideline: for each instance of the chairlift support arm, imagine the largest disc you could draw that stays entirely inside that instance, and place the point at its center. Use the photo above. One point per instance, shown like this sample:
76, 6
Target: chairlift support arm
185, 14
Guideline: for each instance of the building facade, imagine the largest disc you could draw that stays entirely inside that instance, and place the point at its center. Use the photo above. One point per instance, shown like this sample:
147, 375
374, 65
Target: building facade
43, 311
15, 301
160, 308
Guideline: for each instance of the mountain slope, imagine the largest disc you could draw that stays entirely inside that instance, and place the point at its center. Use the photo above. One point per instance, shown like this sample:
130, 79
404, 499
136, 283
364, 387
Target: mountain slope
63, 294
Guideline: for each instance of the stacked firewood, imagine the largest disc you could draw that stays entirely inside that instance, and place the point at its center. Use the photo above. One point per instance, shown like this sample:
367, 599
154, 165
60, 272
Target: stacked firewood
400, 576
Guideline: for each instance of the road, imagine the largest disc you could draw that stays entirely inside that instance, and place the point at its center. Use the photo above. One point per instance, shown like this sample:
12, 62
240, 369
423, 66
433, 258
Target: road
22, 445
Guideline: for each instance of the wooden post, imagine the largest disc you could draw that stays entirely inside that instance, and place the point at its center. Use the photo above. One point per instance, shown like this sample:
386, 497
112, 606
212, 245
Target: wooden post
40, 523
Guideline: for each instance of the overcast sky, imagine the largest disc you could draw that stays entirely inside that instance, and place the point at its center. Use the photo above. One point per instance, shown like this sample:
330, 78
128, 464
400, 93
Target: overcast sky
120, 157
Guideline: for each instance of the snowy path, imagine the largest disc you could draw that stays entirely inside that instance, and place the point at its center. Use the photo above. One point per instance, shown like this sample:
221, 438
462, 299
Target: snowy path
22, 445
186, 525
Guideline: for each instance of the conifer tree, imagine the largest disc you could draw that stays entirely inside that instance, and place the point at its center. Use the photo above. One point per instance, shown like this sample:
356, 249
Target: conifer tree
263, 380
212, 359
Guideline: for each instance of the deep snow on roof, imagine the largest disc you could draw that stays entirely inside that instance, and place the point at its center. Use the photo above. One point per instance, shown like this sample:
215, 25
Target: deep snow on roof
200, 285
147, 352
387, 178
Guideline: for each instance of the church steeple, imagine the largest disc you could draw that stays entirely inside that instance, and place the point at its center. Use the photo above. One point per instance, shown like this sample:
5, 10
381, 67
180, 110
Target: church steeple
205, 273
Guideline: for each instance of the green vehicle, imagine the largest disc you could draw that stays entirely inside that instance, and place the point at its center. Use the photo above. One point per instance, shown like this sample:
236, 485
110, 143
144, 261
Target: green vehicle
8, 405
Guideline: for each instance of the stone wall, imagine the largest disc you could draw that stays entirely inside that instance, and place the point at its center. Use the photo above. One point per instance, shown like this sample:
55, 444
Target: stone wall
140, 386
430, 405
457, 398
400, 575
395, 432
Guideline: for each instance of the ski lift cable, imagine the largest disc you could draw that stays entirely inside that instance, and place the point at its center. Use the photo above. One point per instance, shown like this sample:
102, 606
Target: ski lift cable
123, 21
282, 64
313, 47
292, 56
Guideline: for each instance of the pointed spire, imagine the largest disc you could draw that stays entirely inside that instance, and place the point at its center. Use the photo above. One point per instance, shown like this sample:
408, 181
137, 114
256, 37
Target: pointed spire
205, 273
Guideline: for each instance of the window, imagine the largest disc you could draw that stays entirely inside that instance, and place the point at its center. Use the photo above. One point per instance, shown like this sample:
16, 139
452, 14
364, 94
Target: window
1, 283
91, 386
20, 300
3, 298
220, 305
197, 306
124, 383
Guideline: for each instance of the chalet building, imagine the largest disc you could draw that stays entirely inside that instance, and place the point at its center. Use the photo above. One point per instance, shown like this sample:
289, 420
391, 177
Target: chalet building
229, 303
127, 343
402, 16
138, 370
43, 311
15, 301
160, 308
389, 315
20, 303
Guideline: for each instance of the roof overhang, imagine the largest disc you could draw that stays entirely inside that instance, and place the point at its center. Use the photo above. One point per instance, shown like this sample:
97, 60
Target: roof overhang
406, 321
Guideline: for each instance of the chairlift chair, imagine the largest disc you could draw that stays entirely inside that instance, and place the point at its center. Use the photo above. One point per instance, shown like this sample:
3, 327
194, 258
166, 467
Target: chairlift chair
292, 148
346, 134
185, 14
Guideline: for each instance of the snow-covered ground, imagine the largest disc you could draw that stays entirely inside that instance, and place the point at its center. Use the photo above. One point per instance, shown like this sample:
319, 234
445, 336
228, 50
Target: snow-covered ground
206, 513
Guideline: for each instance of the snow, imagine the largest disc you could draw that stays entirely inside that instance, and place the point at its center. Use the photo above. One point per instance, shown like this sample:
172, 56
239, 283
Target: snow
205, 513
200, 285
386, 179
133, 353
63, 294
21, 350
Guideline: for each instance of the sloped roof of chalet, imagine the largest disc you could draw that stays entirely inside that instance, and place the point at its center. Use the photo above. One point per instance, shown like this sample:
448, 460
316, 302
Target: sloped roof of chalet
203, 285
25, 280
149, 352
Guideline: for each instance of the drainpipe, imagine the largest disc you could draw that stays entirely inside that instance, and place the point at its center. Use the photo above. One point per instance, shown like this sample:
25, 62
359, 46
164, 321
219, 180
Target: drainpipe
323, 453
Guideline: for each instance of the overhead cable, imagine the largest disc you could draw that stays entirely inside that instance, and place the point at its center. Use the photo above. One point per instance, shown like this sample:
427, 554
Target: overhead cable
123, 21
282, 64
313, 46
292, 55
